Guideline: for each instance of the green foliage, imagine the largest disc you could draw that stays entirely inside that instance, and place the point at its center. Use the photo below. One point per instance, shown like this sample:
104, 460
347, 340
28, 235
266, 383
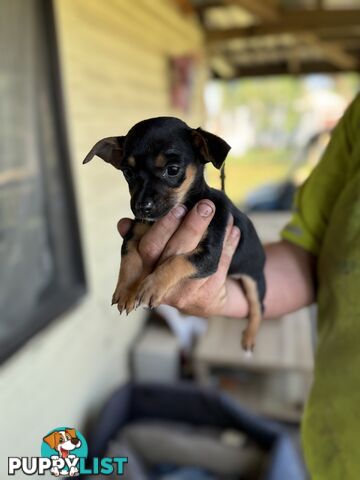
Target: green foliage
262, 96
273, 105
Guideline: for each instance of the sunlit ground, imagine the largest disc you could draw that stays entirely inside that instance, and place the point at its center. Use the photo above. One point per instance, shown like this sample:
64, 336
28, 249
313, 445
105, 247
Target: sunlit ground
246, 173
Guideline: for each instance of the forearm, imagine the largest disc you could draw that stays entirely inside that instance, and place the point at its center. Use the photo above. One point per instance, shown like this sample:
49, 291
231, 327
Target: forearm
290, 285
290, 278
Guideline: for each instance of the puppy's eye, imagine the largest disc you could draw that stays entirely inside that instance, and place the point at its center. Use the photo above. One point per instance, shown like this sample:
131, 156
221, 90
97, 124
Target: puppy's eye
128, 173
172, 170
61, 440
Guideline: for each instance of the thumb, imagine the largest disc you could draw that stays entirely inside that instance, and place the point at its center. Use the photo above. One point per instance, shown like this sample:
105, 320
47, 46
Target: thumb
123, 226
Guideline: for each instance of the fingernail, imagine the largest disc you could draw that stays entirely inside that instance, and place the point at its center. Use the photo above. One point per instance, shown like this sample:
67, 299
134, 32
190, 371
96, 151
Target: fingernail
204, 209
179, 211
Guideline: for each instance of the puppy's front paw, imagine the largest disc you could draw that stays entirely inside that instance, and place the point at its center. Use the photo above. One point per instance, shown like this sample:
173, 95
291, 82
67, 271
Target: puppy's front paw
149, 293
125, 299
73, 471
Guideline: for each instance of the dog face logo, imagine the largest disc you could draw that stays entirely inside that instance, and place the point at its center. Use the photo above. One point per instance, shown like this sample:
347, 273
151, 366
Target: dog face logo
63, 441
64, 446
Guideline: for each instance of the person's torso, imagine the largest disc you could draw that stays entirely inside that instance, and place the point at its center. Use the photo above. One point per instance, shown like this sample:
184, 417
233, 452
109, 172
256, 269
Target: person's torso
331, 426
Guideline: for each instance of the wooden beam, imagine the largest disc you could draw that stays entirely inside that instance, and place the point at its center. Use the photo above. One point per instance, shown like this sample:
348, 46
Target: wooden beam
250, 57
222, 67
341, 32
200, 7
185, 6
340, 35
348, 43
291, 22
342, 60
265, 10
282, 69
333, 52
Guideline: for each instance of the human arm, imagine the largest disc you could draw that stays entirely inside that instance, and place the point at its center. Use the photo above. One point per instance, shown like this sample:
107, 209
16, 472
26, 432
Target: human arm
290, 264
290, 282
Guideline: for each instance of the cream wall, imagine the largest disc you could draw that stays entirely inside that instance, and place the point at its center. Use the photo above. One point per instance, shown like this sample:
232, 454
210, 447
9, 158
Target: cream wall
114, 63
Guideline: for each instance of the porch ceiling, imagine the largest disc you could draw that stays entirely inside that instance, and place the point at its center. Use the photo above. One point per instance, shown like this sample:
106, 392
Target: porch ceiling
269, 37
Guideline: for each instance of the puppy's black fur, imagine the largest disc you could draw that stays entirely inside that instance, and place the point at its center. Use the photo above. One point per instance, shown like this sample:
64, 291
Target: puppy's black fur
163, 162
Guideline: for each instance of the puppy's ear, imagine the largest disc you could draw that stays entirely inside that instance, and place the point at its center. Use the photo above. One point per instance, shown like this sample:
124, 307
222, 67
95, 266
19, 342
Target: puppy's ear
71, 432
50, 440
210, 147
110, 149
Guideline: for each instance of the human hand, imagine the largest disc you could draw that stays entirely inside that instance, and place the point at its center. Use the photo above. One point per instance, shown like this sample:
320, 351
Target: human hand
175, 235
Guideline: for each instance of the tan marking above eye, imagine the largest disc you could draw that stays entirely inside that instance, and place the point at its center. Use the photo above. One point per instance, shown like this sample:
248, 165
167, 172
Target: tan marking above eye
131, 161
160, 161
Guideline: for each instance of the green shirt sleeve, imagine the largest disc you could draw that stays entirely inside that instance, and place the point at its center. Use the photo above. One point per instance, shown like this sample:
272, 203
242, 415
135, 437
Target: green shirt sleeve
316, 198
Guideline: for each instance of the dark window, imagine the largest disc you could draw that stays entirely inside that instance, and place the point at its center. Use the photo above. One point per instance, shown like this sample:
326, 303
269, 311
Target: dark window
41, 270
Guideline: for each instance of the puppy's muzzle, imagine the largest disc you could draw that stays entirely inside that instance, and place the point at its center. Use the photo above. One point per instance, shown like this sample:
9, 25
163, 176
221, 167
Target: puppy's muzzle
144, 209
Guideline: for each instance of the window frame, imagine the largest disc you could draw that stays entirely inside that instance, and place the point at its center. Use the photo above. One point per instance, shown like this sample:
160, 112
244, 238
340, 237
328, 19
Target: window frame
61, 300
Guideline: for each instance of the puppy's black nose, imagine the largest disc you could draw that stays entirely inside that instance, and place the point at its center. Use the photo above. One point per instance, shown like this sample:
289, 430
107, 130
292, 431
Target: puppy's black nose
144, 208
74, 441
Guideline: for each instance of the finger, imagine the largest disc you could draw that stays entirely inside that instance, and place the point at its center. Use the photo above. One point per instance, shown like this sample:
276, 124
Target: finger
230, 244
123, 226
194, 226
155, 239
229, 226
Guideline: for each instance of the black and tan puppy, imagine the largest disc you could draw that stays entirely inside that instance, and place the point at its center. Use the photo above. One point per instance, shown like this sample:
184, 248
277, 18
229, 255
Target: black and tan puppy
163, 161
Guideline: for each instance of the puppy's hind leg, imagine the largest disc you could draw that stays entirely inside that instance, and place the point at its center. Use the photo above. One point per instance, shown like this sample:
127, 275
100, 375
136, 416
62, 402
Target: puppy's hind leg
166, 276
255, 314
199, 263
